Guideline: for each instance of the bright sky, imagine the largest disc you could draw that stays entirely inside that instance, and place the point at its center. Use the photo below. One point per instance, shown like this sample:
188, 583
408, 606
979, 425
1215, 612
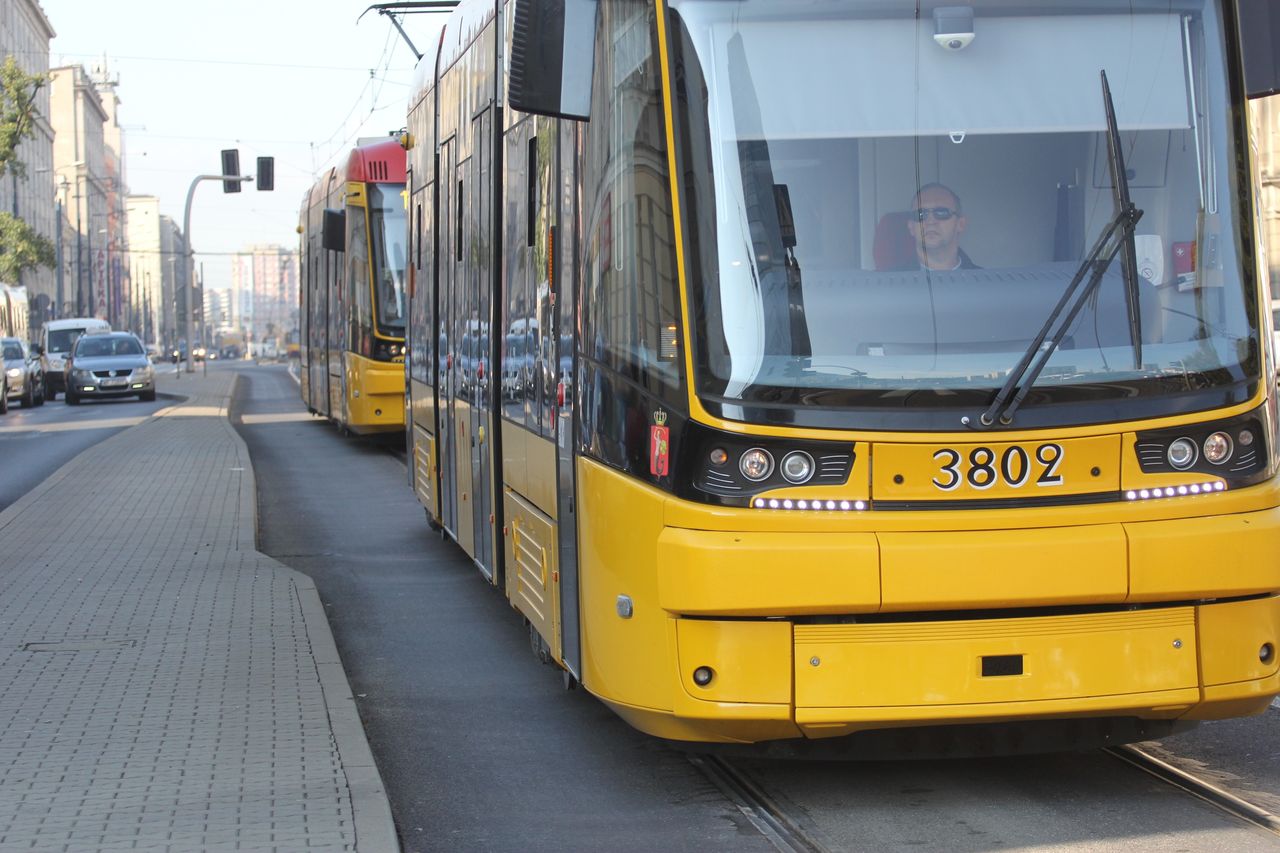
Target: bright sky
296, 80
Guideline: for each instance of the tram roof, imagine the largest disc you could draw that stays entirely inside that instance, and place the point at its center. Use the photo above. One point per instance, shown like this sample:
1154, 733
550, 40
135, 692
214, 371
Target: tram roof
381, 161
460, 29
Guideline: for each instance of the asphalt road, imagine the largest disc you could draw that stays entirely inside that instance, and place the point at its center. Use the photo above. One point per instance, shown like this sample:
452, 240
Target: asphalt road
38, 441
481, 748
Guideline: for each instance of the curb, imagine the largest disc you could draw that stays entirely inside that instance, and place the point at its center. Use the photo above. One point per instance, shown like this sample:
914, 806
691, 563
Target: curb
374, 828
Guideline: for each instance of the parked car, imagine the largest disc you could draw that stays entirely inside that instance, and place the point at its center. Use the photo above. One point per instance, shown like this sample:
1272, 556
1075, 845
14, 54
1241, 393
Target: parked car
113, 364
23, 374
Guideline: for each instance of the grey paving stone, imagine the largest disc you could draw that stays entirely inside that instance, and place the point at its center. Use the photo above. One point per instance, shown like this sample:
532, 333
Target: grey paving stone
161, 691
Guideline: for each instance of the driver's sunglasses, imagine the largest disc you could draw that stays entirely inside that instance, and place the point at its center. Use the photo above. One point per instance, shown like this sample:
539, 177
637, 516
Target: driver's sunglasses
942, 214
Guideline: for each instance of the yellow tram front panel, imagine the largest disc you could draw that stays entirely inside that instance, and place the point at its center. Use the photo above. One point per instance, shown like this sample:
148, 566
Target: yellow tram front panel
962, 669
375, 395
757, 596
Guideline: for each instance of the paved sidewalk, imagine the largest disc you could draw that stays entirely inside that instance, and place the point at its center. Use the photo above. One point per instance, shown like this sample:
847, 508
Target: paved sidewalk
164, 685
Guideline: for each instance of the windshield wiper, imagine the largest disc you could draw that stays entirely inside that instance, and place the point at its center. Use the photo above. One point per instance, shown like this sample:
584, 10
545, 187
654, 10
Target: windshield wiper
1117, 237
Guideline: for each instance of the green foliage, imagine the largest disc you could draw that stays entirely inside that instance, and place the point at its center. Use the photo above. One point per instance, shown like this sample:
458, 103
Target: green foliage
21, 248
17, 112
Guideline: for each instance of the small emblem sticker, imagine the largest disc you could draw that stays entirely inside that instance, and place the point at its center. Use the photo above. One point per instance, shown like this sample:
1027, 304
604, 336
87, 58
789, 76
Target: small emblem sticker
659, 445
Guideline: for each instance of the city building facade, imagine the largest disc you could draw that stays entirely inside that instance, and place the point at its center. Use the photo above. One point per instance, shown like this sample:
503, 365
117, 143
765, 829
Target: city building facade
146, 266
25, 33
80, 163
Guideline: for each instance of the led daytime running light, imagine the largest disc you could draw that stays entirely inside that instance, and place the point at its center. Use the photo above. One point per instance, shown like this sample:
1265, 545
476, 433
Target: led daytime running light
1175, 491
809, 505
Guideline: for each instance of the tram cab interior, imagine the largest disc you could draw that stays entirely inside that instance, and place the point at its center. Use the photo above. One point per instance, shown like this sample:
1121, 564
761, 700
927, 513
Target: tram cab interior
815, 207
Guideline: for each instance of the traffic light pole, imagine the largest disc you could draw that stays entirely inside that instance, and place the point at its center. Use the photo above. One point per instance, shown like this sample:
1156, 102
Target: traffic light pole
189, 255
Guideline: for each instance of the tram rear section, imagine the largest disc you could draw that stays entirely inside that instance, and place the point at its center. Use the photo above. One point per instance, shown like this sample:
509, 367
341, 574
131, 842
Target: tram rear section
746, 624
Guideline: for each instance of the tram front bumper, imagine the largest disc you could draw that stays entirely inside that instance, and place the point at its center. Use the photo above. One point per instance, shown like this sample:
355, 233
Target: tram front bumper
1189, 662
789, 642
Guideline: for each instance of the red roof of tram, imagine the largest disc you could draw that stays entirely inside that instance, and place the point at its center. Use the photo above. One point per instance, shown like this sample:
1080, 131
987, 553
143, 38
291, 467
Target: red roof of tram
378, 162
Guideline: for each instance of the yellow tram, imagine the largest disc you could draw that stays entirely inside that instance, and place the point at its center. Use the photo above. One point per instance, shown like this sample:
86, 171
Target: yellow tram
799, 368
353, 303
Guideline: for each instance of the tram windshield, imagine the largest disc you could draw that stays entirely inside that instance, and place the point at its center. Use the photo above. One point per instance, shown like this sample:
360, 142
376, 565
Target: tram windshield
887, 200
389, 229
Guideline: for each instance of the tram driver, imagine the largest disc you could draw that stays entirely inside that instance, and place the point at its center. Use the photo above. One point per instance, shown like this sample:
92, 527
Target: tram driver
936, 224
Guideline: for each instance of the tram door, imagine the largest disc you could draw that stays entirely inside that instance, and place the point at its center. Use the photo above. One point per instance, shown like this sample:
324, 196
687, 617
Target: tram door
448, 361
478, 252
469, 306
565, 393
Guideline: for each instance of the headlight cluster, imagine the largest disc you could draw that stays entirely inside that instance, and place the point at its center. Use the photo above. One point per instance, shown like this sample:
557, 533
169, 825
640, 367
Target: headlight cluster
1233, 449
387, 351
14, 372
733, 466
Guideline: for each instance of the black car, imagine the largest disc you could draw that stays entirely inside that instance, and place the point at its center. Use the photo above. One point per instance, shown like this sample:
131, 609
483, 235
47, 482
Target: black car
24, 376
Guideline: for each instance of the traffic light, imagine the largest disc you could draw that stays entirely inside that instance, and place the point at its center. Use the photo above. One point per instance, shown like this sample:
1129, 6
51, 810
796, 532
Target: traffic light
266, 173
230, 166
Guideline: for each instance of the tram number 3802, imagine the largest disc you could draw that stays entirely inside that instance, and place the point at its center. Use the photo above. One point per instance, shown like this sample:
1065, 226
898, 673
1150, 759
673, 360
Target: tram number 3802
983, 468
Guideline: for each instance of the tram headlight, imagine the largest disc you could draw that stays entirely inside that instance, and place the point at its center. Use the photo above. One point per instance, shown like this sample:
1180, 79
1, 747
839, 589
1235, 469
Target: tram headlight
1235, 449
14, 372
1217, 448
797, 467
718, 456
756, 464
1182, 453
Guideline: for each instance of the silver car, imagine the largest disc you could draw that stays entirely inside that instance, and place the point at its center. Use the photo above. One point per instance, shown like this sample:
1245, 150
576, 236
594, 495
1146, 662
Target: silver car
23, 374
113, 364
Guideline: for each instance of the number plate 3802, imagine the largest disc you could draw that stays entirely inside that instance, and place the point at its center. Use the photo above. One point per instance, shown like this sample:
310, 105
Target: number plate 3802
995, 470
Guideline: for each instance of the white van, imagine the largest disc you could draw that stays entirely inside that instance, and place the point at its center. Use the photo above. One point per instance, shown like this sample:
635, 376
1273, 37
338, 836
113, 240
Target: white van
56, 340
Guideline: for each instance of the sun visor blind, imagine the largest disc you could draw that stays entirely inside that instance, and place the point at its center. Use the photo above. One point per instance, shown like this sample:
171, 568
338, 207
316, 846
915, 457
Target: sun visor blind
889, 78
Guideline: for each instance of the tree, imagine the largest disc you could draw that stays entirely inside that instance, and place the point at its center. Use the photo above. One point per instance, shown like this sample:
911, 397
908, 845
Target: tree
17, 113
21, 248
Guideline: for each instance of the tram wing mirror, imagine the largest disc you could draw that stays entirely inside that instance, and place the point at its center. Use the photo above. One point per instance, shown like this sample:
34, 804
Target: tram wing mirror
333, 233
553, 57
1259, 41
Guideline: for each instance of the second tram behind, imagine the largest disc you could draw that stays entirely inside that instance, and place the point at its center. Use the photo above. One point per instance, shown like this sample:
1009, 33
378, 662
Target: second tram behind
352, 294
758, 465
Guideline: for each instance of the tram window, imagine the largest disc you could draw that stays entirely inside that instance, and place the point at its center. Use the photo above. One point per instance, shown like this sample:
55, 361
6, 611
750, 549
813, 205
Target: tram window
630, 295
532, 188
458, 229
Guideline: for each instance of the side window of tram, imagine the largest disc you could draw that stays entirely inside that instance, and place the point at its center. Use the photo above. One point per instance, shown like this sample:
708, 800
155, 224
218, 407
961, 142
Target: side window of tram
358, 282
631, 293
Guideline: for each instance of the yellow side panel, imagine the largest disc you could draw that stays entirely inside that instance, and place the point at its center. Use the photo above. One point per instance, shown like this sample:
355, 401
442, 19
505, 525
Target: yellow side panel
741, 574
1184, 558
941, 663
424, 472
751, 660
515, 466
337, 378
1004, 568
463, 438
1231, 636
533, 583
628, 660
424, 407
542, 473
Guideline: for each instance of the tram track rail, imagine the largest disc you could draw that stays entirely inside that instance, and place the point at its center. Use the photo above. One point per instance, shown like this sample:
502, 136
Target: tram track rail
786, 835
1196, 787
755, 804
